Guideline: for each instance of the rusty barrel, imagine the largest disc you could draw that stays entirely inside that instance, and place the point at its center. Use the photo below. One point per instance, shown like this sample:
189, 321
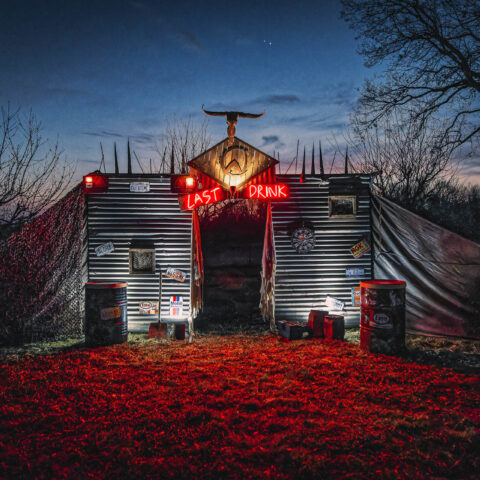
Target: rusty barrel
105, 313
382, 316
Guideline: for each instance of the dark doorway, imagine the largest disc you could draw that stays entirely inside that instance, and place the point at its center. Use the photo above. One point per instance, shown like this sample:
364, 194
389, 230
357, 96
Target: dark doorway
232, 244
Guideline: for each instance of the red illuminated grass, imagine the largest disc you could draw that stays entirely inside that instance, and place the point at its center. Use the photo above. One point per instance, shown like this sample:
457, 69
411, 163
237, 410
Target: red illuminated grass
236, 407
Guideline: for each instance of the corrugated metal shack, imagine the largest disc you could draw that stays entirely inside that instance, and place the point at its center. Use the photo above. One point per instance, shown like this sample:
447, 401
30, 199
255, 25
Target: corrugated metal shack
302, 281
136, 223
137, 230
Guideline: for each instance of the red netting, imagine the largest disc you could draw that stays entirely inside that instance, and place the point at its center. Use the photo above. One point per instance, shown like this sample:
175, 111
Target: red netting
41, 278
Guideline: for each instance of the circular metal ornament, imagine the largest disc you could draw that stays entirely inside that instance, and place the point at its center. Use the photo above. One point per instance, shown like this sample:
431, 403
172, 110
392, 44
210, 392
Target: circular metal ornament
303, 239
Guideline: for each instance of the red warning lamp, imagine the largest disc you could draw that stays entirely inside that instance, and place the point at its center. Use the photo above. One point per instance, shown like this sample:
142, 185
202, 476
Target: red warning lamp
183, 184
95, 183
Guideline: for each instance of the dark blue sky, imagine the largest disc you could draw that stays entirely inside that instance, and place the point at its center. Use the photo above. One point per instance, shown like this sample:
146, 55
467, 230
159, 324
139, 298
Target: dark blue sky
103, 71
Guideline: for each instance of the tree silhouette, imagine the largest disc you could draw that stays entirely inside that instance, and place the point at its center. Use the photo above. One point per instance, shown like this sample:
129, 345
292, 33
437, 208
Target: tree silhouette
431, 50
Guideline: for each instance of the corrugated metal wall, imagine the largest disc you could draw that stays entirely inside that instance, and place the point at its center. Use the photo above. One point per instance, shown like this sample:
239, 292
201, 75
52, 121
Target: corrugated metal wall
303, 281
120, 216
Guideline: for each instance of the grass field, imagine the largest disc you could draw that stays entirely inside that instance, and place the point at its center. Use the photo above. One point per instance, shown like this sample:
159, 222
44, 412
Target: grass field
240, 406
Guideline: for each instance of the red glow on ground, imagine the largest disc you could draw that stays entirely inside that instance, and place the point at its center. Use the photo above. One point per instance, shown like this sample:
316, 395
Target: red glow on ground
265, 192
204, 197
235, 407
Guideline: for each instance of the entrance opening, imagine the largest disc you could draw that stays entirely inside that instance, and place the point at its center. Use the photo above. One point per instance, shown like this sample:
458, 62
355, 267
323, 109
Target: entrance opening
232, 243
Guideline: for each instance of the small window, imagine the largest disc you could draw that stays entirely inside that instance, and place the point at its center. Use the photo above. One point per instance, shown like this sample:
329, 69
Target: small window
142, 260
342, 206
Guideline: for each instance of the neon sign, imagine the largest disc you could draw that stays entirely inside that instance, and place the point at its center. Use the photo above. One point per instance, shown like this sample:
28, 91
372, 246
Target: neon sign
203, 197
276, 191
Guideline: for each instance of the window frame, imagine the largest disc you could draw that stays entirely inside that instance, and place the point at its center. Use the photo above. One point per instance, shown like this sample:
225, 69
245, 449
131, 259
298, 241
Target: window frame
332, 198
131, 251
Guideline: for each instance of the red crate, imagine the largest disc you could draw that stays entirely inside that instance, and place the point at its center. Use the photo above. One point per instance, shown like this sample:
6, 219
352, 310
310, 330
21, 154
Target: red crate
334, 327
315, 322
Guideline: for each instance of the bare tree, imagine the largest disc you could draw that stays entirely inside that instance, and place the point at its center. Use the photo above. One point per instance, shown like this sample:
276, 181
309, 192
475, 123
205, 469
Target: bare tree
406, 154
33, 175
186, 140
431, 49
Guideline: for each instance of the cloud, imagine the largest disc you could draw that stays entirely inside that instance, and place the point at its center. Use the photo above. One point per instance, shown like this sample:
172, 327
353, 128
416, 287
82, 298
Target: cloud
104, 133
144, 138
265, 100
286, 99
316, 121
92, 162
302, 119
188, 41
272, 140
469, 165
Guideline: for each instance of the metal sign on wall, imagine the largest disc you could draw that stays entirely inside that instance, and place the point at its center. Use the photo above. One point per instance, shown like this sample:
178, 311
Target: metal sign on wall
232, 164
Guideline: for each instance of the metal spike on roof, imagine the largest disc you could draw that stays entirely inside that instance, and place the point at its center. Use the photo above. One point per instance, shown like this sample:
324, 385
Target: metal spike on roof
129, 158
172, 161
115, 157
322, 172
313, 160
302, 178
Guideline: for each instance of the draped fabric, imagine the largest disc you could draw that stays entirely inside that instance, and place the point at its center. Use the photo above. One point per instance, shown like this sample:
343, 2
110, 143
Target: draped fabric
197, 265
441, 268
267, 289
42, 274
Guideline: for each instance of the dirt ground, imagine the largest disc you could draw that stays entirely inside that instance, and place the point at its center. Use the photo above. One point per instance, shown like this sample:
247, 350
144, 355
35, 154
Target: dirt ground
239, 406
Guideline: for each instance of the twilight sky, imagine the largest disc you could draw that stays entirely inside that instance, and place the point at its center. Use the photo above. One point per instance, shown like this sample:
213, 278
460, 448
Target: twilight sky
108, 70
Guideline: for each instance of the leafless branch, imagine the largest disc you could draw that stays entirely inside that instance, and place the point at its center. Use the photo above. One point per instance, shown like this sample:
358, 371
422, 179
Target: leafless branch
33, 173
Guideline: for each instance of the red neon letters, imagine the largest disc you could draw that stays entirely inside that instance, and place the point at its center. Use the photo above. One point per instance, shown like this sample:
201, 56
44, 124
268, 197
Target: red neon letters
276, 191
204, 197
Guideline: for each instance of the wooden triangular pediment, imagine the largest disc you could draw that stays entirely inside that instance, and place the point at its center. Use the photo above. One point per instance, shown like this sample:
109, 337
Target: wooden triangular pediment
232, 164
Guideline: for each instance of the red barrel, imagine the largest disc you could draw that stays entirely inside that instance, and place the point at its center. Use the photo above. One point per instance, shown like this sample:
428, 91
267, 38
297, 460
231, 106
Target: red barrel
382, 316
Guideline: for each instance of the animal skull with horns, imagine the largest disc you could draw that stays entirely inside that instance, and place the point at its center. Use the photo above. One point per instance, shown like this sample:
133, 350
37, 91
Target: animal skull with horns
232, 118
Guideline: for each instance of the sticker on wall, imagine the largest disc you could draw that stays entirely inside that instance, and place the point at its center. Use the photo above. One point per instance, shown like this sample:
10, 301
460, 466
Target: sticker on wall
110, 313
148, 308
102, 250
176, 306
360, 248
176, 274
139, 187
334, 303
356, 296
354, 271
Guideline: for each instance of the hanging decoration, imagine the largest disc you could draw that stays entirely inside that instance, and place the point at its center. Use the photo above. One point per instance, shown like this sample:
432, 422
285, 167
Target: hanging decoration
303, 238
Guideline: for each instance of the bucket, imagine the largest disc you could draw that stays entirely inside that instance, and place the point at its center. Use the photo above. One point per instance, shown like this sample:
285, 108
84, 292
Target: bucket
382, 316
105, 313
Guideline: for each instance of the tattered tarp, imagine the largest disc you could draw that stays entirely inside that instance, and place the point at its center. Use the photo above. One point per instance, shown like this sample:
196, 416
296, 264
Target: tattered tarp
267, 289
441, 268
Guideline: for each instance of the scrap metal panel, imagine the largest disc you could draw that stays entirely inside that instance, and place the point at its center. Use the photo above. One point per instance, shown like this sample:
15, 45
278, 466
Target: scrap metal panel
154, 218
302, 281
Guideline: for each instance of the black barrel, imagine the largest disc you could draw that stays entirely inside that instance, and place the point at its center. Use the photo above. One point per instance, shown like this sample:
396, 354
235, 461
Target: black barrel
382, 316
105, 313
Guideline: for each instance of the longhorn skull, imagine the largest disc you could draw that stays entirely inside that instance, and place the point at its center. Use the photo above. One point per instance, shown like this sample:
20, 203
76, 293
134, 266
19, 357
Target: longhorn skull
232, 118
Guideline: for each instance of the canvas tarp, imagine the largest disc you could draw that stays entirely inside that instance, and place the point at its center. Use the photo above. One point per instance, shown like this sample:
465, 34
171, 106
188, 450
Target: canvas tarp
441, 268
